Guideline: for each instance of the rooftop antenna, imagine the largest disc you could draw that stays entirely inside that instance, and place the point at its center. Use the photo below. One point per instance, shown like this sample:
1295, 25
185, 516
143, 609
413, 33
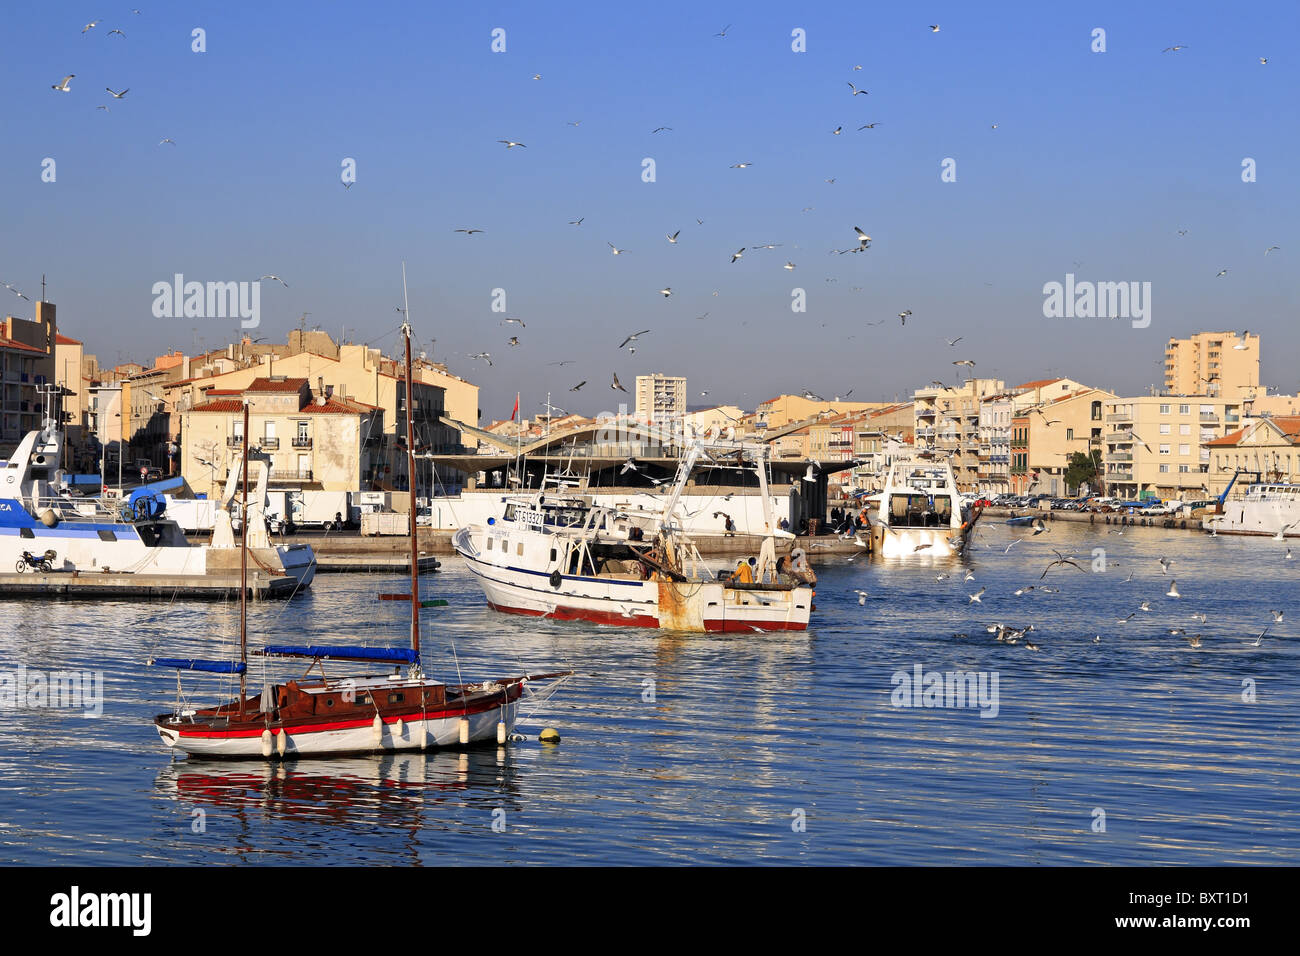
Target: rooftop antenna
42, 286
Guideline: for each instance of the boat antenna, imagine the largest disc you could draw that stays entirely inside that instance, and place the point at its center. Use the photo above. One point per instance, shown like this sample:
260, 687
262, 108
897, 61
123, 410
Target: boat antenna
243, 570
410, 478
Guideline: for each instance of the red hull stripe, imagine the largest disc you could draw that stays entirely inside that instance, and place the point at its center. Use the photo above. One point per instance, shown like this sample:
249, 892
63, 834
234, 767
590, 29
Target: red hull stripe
346, 724
643, 620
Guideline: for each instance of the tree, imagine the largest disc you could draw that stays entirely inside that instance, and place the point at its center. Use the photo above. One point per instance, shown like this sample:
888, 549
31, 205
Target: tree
1083, 468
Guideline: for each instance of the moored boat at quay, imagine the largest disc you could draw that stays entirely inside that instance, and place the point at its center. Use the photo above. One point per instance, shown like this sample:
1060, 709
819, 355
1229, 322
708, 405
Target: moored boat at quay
557, 554
131, 536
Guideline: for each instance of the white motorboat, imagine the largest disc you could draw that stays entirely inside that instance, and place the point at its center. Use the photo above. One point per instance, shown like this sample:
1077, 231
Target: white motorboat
100, 534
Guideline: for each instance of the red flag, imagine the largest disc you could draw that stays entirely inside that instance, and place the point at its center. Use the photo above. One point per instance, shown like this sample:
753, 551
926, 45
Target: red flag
516, 411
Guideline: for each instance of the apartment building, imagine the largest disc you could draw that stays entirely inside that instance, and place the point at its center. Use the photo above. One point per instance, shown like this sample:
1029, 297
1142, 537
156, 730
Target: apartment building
660, 398
27, 374
1158, 444
1212, 363
1266, 447
1047, 436
315, 440
947, 423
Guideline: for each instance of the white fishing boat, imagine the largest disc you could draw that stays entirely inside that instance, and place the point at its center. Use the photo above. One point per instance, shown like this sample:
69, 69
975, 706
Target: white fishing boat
557, 554
99, 534
352, 714
1271, 509
920, 512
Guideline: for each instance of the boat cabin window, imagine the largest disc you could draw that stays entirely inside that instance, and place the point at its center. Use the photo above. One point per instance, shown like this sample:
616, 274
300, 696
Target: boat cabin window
519, 548
553, 554
329, 701
396, 698
510, 513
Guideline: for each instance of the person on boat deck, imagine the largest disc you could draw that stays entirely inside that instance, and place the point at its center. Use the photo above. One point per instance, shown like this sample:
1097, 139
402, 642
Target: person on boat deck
783, 575
743, 574
784, 524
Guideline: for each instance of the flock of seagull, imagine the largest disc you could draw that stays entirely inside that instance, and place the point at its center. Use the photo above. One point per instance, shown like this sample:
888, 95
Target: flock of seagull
65, 85
1008, 634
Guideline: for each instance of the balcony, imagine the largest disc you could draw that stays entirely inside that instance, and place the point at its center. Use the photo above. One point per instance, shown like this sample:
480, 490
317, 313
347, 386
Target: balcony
301, 442
270, 444
1119, 418
1119, 475
1120, 456
235, 441
290, 474
1120, 438
1209, 416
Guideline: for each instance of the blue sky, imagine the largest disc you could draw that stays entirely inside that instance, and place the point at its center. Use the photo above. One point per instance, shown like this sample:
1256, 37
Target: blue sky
1098, 159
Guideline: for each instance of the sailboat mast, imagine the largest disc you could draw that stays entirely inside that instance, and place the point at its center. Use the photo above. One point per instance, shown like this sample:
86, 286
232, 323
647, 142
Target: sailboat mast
243, 570
410, 480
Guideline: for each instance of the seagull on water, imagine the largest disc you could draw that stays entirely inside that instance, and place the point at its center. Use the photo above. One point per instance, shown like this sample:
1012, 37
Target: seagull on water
1277, 616
862, 596
1259, 638
1173, 590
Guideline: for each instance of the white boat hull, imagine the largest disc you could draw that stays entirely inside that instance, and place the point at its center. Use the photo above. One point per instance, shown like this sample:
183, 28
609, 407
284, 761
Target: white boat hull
358, 737
629, 602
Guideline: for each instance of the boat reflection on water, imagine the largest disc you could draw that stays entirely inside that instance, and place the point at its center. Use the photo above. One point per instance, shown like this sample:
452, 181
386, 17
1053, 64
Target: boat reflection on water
402, 790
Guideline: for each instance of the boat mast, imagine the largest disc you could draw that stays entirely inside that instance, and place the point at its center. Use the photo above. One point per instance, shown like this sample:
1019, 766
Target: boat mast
410, 478
243, 570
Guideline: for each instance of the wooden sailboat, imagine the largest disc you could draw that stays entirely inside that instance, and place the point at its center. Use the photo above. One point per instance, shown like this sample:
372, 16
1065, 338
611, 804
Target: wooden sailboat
360, 713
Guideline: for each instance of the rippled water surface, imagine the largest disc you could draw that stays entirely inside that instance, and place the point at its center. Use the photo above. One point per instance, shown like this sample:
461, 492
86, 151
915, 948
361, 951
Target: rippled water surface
724, 748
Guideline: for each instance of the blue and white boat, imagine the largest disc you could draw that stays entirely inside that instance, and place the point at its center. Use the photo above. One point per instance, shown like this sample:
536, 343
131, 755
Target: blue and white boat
99, 534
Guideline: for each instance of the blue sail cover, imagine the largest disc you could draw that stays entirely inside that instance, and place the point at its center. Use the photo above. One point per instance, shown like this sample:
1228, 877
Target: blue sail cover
192, 664
344, 653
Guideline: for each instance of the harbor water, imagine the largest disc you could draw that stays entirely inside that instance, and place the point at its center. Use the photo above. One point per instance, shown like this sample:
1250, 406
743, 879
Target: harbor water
724, 748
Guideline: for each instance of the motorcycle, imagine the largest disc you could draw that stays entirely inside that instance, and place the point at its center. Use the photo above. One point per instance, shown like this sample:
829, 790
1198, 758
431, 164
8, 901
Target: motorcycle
43, 563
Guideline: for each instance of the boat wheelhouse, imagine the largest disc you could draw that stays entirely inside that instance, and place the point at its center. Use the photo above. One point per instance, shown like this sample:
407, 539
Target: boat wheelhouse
1271, 509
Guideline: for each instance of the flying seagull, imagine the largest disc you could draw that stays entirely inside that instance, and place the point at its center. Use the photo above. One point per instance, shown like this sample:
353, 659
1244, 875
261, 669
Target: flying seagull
614, 249
856, 91
277, 279
118, 32
661, 129
617, 384
485, 356
737, 255
1173, 49
673, 237
1060, 559
738, 166
63, 87
868, 126
864, 241
904, 314
514, 340
578, 386
952, 342
934, 28
118, 96
511, 144
632, 338
89, 25
723, 33
163, 142
576, 222
468, 232
519, 322
666, 291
